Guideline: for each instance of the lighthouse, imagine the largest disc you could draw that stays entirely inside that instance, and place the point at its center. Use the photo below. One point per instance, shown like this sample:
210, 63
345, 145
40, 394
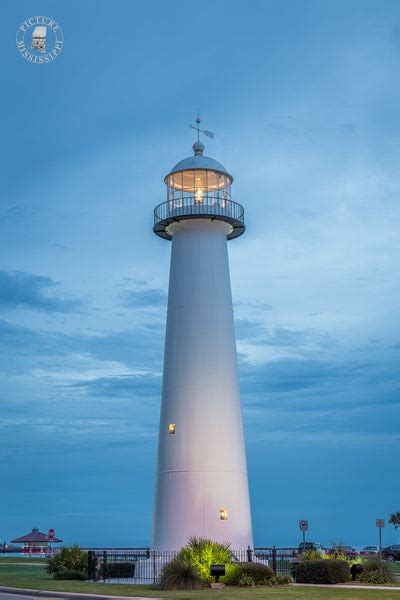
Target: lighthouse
201, 483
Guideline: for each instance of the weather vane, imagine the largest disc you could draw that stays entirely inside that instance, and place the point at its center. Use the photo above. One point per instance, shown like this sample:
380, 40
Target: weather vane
197, 128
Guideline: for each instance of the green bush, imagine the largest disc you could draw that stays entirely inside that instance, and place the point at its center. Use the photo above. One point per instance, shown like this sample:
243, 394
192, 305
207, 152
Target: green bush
279, 580
180, 575
70, 574
337, 553
374, 577
309, 554
258, 572
71, 558
201, 553
246, 581
376, 571
323, 571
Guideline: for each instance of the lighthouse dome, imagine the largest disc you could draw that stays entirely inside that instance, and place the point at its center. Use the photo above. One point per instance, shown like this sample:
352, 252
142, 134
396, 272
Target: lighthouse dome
199, 162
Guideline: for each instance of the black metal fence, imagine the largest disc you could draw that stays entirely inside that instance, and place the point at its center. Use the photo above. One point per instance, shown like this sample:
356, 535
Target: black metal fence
142, 565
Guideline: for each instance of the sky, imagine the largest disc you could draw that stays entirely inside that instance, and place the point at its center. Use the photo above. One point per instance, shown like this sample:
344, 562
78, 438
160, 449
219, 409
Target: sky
303, 97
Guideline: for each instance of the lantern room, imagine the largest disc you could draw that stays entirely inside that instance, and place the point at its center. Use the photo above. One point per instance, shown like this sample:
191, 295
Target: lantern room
201, 179
198, 187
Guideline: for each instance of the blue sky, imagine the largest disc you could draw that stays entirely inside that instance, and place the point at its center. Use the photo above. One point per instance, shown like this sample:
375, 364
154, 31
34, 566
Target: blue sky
304, 98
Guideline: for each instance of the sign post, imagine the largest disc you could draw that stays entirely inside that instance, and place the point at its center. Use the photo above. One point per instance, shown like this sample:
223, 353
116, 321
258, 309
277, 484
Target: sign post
380, 523
50, 536
303, 526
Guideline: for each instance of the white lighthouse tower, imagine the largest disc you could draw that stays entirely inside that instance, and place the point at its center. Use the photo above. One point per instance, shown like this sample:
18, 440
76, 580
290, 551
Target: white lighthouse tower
202, 486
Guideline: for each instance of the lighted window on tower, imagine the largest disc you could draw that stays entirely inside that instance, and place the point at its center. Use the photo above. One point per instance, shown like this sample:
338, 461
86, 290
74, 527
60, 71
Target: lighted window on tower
171, 428
223, 514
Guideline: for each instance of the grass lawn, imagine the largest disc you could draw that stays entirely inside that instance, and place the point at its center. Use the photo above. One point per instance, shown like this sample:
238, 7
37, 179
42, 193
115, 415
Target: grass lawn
33, 575
20, 560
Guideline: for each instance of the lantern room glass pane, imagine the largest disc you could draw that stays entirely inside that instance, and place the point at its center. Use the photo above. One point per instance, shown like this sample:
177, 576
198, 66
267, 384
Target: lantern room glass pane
203, 182
188, 181
212, 180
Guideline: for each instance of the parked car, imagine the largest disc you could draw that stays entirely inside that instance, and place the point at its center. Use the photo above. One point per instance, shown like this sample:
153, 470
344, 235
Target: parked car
391, 553
369, 551
311, 546
347, 550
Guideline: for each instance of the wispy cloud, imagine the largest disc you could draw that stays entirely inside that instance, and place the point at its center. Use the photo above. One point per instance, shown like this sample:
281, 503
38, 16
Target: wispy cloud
144, 298
146, 385
17, 214
23, 290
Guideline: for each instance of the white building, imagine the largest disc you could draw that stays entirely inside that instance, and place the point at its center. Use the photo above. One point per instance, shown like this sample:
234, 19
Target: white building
202, 486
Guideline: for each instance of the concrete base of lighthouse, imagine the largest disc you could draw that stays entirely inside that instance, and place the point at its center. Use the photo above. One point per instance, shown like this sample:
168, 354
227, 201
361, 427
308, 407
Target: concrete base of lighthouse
202, 486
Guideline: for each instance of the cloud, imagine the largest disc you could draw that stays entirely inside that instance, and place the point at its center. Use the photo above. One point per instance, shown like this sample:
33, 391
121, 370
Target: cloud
140, 348
356, 378
145, 384
17, 214
258, 333
22, 348
144, 298
70, 357
23, 290
291, 375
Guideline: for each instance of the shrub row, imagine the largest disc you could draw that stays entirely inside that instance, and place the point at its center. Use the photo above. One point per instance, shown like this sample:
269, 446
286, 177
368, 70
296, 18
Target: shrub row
332, 571
323, 571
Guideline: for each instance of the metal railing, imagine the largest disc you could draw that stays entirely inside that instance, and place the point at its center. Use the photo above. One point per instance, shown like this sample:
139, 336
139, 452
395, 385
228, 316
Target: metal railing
190, 207
143, 565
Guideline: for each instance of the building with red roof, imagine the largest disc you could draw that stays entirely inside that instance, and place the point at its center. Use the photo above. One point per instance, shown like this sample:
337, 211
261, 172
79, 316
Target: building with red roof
37, 542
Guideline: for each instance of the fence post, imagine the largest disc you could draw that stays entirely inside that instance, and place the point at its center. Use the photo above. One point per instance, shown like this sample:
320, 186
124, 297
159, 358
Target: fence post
105, 573
249, 554
154, 567
274, 559
90, 565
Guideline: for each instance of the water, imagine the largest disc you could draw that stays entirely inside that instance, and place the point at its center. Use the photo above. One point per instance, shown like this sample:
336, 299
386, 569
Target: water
23, 555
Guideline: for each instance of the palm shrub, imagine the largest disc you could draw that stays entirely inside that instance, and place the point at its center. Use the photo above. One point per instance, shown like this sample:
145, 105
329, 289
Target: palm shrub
279, 580
70, 574
395, 520
309, 554
337, 553
201, 553
71, 558
257, 572
181, 575
376, 571
246, 581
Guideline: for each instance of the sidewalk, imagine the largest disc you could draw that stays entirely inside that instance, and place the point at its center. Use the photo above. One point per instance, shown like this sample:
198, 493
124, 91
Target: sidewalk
74, 595
349, 587
80, 596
